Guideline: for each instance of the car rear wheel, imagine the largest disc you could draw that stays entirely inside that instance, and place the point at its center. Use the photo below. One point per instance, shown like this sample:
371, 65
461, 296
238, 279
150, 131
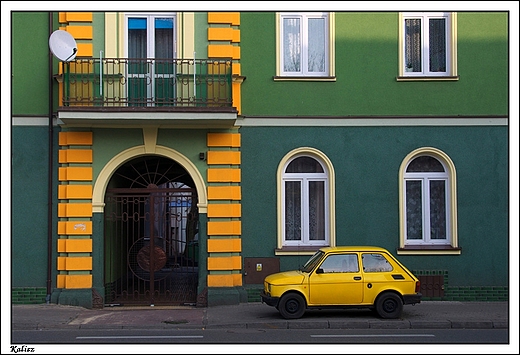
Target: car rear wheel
389, 305
292, 306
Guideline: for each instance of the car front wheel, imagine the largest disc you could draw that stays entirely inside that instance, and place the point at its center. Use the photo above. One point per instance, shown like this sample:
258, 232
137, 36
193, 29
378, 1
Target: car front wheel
292, 306
389, 305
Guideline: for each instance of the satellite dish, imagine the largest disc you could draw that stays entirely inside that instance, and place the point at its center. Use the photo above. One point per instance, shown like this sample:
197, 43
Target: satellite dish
63, 45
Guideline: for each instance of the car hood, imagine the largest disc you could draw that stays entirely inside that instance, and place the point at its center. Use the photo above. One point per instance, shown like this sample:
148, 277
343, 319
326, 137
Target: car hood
294, 277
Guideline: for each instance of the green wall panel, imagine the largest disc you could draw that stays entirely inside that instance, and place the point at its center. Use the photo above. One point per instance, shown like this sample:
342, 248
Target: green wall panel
366, 162
30, 73
366, 69
29, 206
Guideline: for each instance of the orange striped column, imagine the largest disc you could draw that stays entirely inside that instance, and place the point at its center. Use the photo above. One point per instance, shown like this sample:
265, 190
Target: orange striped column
224, 210
74, 247
79, 25
224, 43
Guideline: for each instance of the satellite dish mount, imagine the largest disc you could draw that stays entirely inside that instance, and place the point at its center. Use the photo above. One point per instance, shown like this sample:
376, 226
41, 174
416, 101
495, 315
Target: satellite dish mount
63, 45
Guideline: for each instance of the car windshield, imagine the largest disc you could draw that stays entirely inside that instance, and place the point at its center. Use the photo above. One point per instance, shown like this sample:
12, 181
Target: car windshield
311, 263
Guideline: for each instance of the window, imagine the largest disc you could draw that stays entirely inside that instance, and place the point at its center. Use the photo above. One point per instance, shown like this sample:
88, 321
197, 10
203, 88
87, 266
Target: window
305, 202
150, 35
427, 44
375, 263
304, 45
340, 263
428, 207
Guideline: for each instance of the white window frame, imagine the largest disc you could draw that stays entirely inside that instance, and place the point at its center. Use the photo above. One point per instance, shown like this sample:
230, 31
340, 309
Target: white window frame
425, 178
305, 246
329, 71
427, 245
150, 17
451, 45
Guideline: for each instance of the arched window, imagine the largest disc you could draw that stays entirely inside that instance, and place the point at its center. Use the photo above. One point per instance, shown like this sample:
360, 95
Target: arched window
428, 202
305, 202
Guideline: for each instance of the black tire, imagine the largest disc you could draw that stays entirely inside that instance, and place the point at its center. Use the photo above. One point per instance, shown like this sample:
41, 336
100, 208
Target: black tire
292, 306
389, 306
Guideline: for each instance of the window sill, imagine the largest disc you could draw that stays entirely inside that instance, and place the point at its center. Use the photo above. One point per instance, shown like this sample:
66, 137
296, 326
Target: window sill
427, 78
304, 78
297, 250
429, 250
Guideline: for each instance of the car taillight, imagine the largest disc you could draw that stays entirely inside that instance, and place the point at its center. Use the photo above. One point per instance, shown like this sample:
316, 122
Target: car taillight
417, 286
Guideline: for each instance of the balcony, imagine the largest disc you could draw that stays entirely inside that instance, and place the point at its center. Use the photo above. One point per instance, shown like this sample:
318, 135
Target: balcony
98, 92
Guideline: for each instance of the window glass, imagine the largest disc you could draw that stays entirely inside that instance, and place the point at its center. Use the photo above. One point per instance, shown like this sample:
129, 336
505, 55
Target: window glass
313, 261
437, 45
317, 40
304, 165
340, 263
293, 209
164, 38
291, 45
425, 163
316, 210
413, 45
438, 209
375, 263
414, 209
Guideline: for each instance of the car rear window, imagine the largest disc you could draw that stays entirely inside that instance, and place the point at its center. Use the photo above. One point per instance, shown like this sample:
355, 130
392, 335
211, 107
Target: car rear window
374, 262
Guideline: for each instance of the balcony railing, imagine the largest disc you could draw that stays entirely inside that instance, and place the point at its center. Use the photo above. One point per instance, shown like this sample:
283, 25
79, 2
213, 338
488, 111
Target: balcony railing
144, 82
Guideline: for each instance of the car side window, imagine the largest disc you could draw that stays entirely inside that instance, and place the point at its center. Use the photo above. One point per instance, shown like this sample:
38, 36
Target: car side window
375, 263
340, 263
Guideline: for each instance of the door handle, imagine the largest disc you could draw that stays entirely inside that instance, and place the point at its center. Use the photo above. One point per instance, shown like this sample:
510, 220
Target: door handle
357, 278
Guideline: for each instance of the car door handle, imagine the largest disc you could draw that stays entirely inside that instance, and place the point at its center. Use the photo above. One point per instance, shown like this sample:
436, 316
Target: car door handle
357, 278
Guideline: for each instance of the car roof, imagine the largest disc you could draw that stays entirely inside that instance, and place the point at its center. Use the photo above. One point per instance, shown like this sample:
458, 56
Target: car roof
354, 248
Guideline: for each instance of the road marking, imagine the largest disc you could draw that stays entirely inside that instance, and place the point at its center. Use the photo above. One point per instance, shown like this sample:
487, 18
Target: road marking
144, 337
369, 335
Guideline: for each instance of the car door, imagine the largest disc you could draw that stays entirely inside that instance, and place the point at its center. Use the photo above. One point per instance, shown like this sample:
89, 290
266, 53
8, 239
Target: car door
336, 281
377, 271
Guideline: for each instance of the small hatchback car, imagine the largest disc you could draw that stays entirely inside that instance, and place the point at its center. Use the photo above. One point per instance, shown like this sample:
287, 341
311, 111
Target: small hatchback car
343, 277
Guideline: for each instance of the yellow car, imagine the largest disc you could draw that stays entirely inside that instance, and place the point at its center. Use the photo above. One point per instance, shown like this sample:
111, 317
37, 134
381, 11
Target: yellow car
343, 277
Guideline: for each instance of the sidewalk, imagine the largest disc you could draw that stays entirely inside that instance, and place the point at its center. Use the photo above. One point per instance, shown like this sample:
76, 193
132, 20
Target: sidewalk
426, 315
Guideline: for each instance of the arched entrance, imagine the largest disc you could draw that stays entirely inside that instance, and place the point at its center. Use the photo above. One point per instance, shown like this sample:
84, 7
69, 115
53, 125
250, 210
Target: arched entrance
151, 234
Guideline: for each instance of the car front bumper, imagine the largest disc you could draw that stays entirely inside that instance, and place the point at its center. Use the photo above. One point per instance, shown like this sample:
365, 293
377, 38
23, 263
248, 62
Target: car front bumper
412, 299
270, 301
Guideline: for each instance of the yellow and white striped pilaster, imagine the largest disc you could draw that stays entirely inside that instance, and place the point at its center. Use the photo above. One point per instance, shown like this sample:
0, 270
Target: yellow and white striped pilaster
224, 43
79, 25
224, 226
74, 247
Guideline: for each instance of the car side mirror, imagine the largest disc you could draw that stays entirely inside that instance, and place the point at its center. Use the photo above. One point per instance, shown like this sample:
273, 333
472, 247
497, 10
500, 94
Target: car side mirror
319, 271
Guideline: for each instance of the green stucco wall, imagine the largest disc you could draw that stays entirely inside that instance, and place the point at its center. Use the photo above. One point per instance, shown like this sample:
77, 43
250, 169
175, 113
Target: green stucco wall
366, 161
29, 206
30, 63
189, 142
366, 68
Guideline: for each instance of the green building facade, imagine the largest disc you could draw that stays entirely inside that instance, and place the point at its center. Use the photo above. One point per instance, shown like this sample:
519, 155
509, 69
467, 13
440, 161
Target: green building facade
284, 155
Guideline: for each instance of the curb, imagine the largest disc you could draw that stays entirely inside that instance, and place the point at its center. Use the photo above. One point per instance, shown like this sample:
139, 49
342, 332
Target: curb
399, 324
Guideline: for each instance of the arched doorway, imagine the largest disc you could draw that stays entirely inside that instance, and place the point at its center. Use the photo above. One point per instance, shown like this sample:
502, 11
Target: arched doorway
151, 234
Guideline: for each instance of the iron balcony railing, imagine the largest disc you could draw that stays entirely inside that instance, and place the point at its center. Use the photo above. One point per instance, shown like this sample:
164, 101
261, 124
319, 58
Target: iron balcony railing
147, 82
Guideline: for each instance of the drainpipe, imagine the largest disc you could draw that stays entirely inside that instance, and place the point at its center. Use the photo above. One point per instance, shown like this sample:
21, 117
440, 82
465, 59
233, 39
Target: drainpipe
50, 175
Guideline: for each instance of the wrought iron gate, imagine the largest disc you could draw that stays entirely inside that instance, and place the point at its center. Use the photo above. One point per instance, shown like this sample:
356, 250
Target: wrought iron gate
151, 246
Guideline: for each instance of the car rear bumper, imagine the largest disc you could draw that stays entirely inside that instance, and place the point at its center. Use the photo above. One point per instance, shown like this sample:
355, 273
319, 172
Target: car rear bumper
412, 299
270, 301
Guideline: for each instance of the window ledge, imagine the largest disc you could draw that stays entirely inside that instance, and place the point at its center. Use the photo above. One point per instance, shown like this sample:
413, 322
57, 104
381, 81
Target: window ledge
427, 78
304, 78
297, 250
429, 250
